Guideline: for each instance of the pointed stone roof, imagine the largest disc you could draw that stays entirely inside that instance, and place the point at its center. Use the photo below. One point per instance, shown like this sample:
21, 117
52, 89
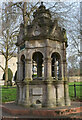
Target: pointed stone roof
42, 27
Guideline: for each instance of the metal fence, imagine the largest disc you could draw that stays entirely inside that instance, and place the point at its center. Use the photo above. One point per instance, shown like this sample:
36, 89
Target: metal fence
75, 90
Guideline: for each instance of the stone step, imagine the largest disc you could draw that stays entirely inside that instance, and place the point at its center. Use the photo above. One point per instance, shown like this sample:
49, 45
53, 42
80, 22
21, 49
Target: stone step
73, 116
42, 112
16, 118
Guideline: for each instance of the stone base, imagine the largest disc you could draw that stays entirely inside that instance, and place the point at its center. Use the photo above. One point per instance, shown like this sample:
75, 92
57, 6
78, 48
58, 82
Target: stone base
26, 104
47, 94
13, 109
67, 101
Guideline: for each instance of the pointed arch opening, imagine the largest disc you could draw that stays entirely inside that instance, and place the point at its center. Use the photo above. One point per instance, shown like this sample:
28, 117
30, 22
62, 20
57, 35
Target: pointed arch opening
56, 65
23, 66
37, 66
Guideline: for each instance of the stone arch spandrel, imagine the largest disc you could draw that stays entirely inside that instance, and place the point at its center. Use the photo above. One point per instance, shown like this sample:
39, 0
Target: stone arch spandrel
56, 51
22, 57
32, 51
22, 53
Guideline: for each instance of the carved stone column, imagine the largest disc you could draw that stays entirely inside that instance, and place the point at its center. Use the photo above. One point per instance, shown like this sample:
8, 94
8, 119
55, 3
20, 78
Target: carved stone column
62, 71
28, 77
27, 100
18, 66
17, 96
56, 87
65, 70
19, 71
20, 94
56, 70
28, 69
23, 93
66, 94
64, 62
39, 69
49, 95
47, 68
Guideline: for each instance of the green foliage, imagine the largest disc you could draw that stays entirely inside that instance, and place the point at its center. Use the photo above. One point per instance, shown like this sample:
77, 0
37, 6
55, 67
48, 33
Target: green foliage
10, 76
34, 76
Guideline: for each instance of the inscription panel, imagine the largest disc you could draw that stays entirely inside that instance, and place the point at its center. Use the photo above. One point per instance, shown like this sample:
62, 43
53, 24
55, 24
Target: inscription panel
37, 91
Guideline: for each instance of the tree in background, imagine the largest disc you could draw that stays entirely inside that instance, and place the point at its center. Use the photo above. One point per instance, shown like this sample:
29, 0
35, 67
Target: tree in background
8, 38
10, 76
73, 67
11, 15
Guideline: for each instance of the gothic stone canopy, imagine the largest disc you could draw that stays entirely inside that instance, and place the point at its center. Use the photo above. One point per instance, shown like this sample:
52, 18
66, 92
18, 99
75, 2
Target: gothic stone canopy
42, 27
42, 66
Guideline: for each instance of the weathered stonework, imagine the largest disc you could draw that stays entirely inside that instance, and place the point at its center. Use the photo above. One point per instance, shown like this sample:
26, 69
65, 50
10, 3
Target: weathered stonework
42, 67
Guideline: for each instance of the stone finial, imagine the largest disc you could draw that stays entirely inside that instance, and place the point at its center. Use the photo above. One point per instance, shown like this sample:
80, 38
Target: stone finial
42, 3
42, 6
42, 11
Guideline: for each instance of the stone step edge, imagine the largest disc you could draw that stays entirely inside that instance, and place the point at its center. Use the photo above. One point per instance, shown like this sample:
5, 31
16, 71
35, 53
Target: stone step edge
43, 113
8, 118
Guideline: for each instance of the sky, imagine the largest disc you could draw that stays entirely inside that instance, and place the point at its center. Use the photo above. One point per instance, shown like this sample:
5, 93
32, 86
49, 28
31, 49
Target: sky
41, 0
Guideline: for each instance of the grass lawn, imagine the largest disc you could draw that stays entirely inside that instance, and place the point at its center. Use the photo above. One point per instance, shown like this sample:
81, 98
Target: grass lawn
9, 94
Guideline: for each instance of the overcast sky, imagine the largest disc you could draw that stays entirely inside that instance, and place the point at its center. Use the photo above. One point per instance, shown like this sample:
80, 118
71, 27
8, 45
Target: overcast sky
41, 0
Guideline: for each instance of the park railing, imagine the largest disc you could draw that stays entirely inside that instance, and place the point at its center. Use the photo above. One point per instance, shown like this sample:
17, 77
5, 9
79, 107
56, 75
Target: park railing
75, 90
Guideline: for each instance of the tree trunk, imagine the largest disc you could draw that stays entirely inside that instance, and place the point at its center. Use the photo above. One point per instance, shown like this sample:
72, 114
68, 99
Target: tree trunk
6, 73
25, 16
